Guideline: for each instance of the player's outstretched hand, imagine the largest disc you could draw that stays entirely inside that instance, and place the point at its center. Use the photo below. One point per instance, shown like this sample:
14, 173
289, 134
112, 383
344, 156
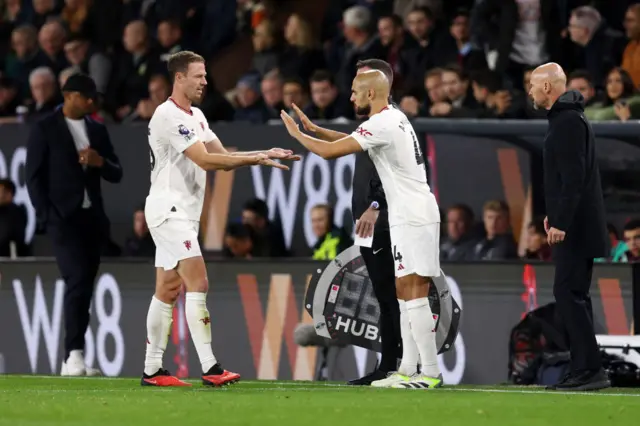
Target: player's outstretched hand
290, 124
307, 124
264, 160
283, 154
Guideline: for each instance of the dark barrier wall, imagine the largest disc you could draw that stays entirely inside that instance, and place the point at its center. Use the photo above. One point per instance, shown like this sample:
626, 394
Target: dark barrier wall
255, 307
494, 164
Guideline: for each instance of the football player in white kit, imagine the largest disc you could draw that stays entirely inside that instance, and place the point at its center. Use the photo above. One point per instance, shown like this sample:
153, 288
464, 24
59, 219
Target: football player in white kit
414, 219
183, 148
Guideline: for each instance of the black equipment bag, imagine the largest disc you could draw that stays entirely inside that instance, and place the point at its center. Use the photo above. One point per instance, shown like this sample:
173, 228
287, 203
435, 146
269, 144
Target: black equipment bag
537, 350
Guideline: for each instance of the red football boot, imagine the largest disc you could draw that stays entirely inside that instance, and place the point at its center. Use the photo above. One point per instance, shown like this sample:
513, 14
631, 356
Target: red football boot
217, 376
163, 379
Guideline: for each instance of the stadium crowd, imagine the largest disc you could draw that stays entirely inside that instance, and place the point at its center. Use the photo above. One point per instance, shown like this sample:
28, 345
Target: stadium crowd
452, 58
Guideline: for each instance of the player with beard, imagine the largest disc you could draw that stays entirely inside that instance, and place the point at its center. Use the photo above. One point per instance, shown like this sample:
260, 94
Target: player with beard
183, 148
369, 207
414, 217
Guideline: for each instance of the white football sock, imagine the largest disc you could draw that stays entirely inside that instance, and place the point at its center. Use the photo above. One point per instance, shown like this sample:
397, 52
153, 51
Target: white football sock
159, 319
423, 330
410, 355
200, 328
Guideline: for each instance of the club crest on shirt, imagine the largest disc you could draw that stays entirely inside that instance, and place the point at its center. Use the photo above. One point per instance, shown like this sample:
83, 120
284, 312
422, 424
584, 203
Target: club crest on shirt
186, 133
183, 130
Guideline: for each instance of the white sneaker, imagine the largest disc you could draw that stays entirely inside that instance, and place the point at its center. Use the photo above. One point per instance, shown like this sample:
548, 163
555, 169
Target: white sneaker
421, 382
74, 366
391, 379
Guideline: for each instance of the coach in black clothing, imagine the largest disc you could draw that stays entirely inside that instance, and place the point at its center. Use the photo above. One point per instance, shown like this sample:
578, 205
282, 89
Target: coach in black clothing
68, 154
575, 223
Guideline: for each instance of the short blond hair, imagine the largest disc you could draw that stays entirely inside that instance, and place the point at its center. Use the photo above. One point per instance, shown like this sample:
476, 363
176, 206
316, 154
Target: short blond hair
496, 206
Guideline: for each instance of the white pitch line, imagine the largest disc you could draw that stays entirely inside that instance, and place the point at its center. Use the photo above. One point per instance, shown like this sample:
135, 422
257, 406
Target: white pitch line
304, 386
160, 389
541, 392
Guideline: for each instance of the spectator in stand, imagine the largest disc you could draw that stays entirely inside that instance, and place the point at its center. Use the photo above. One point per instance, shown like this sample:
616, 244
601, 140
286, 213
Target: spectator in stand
631, 235
331, 240
495, 102
134, 69
9, 99
458, 90
621, 99
87, 60
271, 89
25, 57
460, 241
294, 92
14, 13
238, 242
618, 246
326, 102
301, 55
465, 54
169, 36
139, 243
51, 39
214, 105
65, 74
434, 89
581, 81
433, 45
537, 246
523, 33
395, 41
74, 15
13, 222
214, 37
498, 243
43, 10
404, 7
631, 56
597, 48
361, 43
251, 106
159, 92
268, 240
44, 92
266, 53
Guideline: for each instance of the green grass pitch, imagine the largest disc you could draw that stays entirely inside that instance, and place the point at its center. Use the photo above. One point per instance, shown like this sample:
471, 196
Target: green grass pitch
38, 400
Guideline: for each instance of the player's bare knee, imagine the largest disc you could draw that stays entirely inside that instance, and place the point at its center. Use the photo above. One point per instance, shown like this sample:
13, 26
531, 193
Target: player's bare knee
168, 286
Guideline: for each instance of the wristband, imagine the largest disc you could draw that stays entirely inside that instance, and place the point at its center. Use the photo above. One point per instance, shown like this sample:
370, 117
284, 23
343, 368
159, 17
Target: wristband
375, 205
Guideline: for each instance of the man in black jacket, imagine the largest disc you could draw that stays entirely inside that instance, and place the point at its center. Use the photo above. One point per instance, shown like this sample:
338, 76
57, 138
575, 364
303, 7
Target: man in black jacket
575, 223
67, 155
369, 205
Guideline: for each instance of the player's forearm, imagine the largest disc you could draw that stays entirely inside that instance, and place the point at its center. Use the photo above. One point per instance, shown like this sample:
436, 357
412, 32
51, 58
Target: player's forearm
246, 153
228, 162
329, 135
319, 147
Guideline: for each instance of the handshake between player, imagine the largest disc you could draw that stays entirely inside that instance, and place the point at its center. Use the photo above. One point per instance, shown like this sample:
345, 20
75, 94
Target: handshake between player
182, 149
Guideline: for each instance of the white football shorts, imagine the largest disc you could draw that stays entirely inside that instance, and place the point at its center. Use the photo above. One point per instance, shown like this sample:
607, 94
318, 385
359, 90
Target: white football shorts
416, 250
175, 239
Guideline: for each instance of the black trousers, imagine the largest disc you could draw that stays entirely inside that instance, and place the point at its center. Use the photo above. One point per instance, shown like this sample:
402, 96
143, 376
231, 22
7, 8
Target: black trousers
574, 310
77, 243
379, 261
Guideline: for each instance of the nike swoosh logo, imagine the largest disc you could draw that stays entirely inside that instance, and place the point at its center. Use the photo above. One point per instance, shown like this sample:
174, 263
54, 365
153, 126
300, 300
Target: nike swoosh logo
377, 251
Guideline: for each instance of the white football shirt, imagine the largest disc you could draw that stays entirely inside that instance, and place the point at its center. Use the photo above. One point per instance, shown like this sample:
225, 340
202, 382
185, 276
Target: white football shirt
393, 146
177, 183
